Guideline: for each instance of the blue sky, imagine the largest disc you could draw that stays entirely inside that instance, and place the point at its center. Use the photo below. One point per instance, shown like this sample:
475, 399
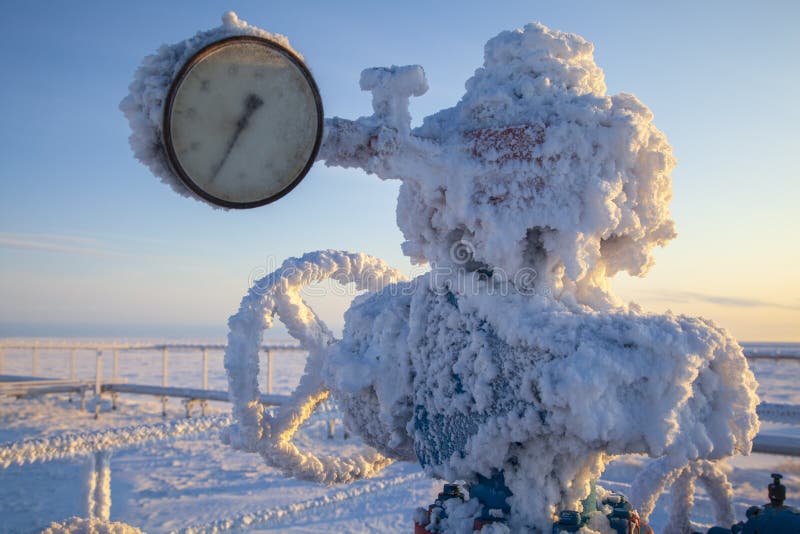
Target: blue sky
92, 244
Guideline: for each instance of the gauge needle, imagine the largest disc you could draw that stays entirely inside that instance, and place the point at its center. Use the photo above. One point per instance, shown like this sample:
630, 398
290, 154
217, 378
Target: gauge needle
251, 104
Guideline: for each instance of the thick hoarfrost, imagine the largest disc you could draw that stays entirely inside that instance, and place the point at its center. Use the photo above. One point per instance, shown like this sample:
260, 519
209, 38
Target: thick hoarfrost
665, 472
79, 525
97, 486
263, 518
499, 380
278, 294
512, 354
535, 168
525, 197
144, 105
65, 446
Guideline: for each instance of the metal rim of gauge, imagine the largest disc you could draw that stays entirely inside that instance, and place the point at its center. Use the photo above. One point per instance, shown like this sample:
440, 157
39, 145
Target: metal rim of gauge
172, 157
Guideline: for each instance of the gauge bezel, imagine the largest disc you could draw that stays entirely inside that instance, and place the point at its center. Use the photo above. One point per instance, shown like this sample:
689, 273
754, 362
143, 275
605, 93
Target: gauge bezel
171, 155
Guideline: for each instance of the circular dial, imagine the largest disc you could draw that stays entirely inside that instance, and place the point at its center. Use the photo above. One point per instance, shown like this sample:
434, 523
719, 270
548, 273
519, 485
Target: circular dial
243, 122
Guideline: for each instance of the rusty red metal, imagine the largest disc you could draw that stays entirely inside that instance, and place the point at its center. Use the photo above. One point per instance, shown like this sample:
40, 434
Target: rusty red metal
510, 143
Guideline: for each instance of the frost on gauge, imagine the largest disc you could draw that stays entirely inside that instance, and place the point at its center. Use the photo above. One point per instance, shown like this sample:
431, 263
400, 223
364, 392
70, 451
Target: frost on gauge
144, 105
511, 357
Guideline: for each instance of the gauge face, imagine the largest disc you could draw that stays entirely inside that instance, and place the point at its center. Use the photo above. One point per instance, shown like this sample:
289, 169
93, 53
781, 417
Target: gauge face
243, 122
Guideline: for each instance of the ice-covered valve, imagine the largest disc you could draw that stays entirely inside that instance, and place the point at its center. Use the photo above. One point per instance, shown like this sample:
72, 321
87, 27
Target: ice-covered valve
777, 491
382, 143
391, 88
552, 186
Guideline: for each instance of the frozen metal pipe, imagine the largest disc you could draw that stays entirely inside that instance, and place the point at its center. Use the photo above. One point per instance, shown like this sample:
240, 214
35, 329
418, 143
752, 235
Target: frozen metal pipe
90, 486
777, 444
102, 495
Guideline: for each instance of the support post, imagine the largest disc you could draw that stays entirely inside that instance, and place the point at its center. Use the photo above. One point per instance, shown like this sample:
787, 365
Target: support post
98, 382
35, 360
204, 403
71, 368
331, 428
164, 380
330, 420
269, 372
114, 375
205, 368
2, 359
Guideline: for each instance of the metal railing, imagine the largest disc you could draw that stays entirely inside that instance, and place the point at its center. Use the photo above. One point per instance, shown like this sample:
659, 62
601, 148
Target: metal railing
32, 385
784, 414
115, 349
96, 448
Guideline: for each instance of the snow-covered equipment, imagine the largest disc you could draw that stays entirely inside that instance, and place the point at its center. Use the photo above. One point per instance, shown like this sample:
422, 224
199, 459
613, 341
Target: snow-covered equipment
612, 508
608, 510
427, 521
772, 518
511, 360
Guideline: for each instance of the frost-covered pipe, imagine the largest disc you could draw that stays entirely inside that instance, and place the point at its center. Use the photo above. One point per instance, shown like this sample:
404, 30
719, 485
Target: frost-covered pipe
89, 486
650, 483
719, 490
682, 497
278, 294
262, 517
92, 525
102, 499
787, 414
73, 445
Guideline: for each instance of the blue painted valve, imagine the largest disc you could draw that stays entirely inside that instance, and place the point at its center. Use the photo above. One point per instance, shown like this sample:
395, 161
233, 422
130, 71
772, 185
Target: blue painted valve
623, 519
772, 518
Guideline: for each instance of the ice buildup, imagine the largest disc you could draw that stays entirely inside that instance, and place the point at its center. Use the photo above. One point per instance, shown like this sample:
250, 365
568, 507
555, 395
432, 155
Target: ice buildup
535, 168
511, 355
525, 198
144, 105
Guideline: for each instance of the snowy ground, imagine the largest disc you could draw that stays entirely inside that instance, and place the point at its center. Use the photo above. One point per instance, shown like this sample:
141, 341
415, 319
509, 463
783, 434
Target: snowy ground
196, 482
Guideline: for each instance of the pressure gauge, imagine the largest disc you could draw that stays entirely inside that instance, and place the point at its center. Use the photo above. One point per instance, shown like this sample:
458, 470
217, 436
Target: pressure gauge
242, 122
